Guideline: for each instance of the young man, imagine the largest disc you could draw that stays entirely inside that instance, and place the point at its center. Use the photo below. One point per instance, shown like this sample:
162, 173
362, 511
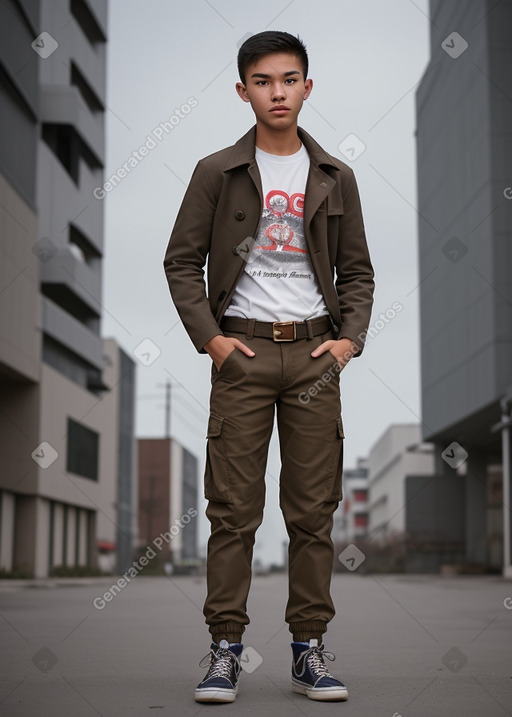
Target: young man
277, 218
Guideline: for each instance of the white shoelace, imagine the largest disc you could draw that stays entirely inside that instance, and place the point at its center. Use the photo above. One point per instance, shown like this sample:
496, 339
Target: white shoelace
314, 660
220, 663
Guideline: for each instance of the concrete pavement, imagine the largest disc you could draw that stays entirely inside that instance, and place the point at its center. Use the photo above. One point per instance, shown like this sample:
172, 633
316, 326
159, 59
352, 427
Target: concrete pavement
409, 646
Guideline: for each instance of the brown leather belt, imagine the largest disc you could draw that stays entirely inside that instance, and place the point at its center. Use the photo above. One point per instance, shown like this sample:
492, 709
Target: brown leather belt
277, 330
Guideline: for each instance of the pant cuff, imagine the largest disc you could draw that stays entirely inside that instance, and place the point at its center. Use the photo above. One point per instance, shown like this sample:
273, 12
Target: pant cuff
229, 630
305, 630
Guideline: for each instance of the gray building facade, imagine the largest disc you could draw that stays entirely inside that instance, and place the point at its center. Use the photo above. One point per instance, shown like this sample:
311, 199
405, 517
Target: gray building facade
70, 165
66, 418
126, 513
20, 303
464, 145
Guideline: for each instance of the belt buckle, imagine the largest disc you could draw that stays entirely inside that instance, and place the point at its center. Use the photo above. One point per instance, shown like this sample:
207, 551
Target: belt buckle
278, 334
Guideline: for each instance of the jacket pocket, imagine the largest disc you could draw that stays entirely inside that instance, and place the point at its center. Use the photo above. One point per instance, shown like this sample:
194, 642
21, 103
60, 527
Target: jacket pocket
216, 475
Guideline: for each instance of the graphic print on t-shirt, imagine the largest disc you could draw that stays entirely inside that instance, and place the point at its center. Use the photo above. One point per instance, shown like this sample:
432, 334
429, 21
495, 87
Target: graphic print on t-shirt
280, 248
281, 235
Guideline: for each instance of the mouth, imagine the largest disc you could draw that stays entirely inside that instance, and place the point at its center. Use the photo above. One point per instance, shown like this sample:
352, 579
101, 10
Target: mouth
280, 109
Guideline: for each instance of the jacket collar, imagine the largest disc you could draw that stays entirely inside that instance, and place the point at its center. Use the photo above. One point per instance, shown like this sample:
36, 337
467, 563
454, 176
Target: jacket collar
244, 150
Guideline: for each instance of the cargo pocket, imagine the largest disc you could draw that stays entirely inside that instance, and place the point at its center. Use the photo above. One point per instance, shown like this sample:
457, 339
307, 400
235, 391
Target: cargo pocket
216, 477
335, 481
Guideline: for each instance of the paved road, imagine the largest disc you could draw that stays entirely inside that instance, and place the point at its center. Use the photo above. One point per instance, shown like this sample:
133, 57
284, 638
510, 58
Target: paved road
413, 646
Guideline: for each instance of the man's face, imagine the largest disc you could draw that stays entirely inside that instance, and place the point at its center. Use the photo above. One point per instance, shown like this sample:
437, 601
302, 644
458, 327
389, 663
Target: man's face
276, 89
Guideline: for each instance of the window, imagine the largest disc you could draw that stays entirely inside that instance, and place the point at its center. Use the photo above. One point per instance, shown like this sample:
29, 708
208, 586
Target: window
64, 143
361, 520
81, 247
87, 93
86, 21
83, 450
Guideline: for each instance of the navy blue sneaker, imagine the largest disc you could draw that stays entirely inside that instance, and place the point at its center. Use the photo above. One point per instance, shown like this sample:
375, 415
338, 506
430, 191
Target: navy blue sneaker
310, 675
221, 681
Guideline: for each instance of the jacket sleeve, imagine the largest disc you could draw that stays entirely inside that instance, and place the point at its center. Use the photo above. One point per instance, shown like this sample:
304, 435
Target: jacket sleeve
186, 255
354, 271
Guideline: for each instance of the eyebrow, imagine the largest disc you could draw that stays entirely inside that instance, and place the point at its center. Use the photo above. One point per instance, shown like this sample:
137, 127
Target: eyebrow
267, 77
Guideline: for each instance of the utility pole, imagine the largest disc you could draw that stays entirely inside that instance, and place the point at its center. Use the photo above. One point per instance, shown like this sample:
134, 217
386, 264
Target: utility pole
167, 409
167, 386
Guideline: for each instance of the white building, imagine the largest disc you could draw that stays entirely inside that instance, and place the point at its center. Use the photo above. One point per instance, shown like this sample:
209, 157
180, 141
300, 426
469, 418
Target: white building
398, 453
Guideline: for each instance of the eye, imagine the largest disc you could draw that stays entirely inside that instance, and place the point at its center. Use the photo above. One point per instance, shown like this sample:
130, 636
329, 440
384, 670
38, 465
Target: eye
290, 80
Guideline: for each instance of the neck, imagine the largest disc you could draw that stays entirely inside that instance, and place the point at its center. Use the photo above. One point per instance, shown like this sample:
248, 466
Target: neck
283, 142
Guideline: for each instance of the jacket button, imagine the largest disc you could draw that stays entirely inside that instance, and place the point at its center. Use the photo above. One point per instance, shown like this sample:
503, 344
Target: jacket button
222, 295
239, 215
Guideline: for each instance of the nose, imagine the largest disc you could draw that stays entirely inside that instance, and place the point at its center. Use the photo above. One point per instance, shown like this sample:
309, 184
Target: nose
278, 92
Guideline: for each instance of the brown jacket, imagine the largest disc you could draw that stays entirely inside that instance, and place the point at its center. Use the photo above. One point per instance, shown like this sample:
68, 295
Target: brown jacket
222, 206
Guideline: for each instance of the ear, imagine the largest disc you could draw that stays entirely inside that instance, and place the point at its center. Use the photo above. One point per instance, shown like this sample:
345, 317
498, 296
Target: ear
308, 87
242, 91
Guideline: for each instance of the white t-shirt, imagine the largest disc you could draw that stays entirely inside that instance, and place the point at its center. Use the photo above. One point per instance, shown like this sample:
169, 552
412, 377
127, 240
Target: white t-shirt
278, 283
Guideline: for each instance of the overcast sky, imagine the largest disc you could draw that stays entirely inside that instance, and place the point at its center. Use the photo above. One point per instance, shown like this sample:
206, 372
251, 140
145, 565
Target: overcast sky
366, 59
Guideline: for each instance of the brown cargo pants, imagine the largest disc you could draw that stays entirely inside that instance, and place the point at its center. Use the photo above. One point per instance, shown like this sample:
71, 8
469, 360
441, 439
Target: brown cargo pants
245, 392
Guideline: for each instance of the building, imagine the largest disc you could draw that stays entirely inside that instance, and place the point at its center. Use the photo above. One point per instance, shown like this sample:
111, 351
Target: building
416, 516
464, 142
393, 459
168, 498
351, 517
61, 456
116, 529
20, 299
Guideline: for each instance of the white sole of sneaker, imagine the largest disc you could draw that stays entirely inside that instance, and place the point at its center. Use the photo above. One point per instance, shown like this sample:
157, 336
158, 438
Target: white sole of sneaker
215, 695
321, 694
